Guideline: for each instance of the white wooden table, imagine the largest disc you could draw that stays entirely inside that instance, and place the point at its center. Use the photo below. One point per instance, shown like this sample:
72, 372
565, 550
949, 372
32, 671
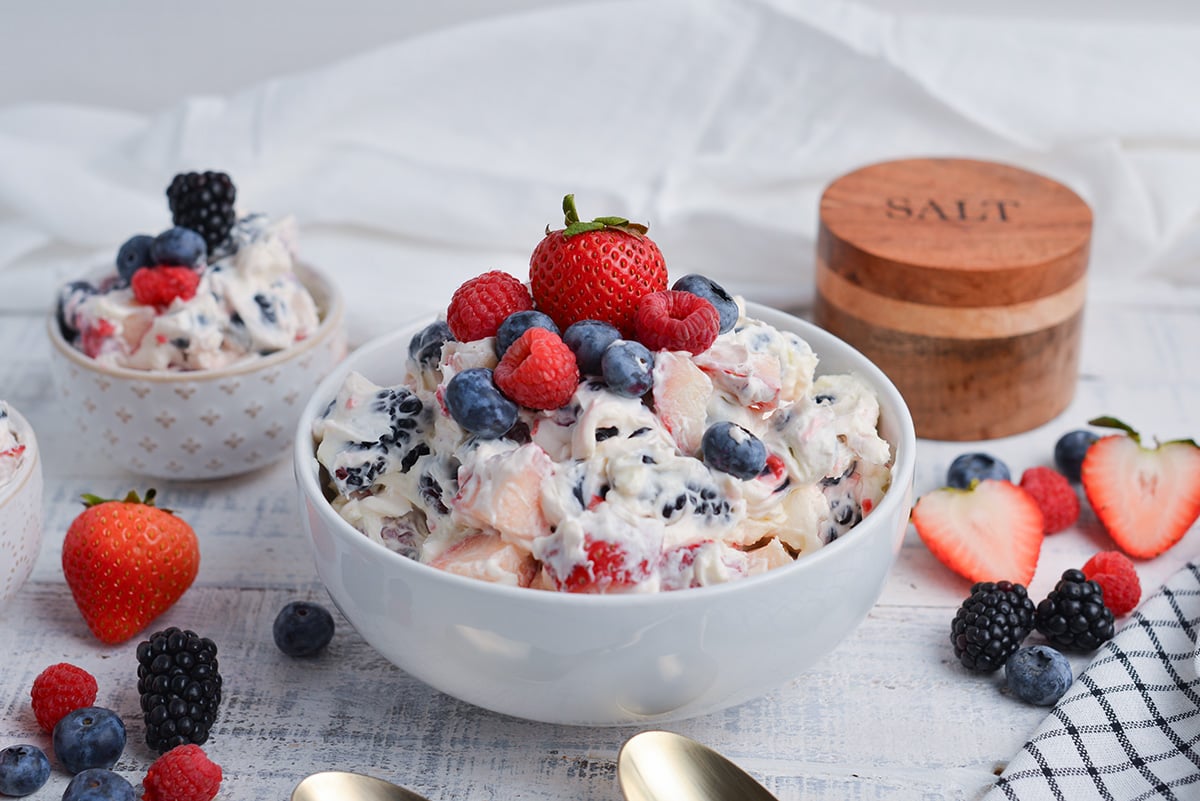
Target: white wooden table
889, 714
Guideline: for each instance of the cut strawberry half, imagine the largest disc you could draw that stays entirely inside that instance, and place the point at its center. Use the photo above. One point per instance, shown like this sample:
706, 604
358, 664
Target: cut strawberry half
991, 532
1146, 497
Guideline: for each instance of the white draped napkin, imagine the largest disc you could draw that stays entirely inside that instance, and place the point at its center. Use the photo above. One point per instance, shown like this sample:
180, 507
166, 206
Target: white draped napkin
719, 122
1129, 727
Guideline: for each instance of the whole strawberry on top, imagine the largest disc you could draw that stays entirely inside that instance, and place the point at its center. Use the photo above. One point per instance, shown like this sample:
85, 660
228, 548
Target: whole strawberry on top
595, 270
126, 562
1147, 497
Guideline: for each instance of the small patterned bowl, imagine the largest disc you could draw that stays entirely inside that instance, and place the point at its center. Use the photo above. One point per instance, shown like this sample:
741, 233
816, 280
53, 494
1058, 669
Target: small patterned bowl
20, 513
206, 423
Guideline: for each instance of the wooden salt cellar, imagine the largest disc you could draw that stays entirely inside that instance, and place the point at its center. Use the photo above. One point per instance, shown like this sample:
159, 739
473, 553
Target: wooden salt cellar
965, 282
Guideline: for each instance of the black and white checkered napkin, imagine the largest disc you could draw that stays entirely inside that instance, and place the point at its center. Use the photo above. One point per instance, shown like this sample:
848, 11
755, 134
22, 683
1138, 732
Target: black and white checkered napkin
1129, 727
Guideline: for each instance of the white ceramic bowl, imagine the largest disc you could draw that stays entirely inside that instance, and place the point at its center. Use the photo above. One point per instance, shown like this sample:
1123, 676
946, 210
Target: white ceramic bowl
205, 423
20, 512
607, 660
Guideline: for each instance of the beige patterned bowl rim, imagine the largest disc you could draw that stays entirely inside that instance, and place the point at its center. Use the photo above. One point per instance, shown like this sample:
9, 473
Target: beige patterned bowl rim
329, 301
29, 463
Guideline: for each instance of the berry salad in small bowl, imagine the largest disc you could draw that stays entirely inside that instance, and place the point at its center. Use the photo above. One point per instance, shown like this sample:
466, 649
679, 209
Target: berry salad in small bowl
600, 496
20, 501
189, 357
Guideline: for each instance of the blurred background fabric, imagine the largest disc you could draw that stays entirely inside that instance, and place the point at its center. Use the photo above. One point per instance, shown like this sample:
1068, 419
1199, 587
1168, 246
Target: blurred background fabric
419, 149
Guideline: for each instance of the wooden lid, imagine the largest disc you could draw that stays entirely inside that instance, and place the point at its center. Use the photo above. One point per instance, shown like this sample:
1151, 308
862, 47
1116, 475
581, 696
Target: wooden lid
954, 232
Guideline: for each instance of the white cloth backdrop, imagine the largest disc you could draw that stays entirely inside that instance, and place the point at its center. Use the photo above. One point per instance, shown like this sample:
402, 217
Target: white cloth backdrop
415, 166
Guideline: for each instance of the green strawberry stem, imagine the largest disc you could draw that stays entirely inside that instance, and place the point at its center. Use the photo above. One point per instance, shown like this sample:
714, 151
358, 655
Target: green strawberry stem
90, 500
577, 226
1112, 422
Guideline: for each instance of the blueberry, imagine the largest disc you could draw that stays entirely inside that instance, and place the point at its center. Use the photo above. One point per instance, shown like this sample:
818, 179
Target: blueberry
180, 246
587, 339
628, 368
732, 449
425, 347
98, 784
1038, 674
1070, 450
518, 323
715, 294
91, 737
23, 769
476, 404
302, 628
971, 467
134, 255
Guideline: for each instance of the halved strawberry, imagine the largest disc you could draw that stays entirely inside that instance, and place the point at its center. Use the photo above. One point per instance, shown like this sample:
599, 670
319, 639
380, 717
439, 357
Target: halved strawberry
991, 532
1146, 497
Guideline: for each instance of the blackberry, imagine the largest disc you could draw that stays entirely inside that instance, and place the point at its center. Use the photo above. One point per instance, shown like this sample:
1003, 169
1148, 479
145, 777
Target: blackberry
1073, 616
180, 688
425, 347
203, 202
990, 624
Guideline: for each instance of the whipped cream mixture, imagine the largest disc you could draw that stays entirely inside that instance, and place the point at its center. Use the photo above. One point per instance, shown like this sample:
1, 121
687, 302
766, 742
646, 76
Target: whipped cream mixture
12, 450
610, 493
249, 303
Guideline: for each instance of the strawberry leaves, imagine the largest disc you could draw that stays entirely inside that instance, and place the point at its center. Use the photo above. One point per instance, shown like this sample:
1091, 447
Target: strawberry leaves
575, 226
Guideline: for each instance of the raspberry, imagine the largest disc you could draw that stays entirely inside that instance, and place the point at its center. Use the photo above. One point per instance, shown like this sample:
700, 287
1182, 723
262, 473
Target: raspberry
1054, 496
606, 568
1117, 576
159, 286
676, 320
185, 773
60, 689
538, 370
480, 305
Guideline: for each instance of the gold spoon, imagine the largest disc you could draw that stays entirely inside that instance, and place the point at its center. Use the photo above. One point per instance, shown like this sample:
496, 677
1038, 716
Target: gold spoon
337, 785
663, 766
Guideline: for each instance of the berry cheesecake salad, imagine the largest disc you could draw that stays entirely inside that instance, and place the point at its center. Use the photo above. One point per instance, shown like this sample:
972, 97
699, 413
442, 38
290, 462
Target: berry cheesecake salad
596, 431
213, 290
12, 450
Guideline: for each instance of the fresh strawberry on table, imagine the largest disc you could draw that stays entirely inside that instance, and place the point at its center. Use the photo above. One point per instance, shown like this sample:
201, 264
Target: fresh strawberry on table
990, 532
595, 270
1146, 497
126, 562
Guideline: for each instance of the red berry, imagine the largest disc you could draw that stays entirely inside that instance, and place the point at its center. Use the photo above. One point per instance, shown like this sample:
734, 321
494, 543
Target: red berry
1115, 573
185, 773
596, 270
1146, 495
991, 532
676, 320
607, 568
479, 306
60, 689
159, 286
538, 371
94, 336
1054, 495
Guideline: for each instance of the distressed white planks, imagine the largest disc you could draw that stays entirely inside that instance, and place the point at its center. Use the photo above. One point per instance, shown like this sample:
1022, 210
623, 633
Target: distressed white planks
888, 715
